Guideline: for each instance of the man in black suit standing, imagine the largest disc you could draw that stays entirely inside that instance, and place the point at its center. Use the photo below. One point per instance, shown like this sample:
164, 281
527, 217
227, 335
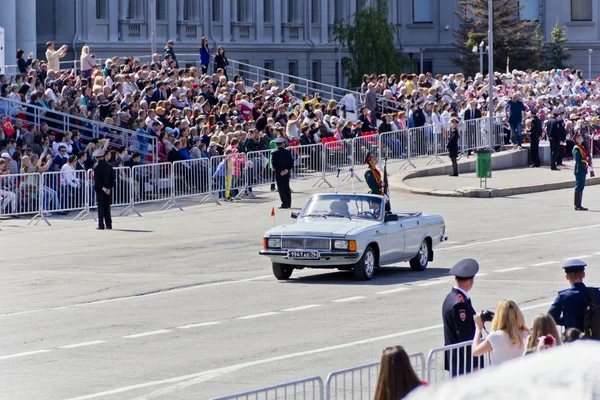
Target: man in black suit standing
283, 162
104, 181
534, 135
471, 113
458, 315
556, 132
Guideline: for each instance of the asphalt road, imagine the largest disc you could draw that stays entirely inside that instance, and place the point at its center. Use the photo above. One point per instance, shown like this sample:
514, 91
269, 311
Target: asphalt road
179, 305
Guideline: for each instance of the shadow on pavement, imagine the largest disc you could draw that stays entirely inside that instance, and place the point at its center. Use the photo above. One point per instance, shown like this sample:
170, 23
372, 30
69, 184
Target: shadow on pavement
383, 276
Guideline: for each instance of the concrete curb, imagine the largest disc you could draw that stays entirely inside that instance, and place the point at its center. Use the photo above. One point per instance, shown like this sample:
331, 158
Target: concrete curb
503, 160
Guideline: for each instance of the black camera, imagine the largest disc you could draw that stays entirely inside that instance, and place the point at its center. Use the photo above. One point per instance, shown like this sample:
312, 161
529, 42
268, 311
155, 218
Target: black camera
487, 316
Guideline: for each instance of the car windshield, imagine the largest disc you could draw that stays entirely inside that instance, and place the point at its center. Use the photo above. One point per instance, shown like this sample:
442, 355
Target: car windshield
343, 206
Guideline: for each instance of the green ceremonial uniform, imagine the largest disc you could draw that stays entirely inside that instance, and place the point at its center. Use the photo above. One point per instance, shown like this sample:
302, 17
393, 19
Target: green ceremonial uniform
373, 179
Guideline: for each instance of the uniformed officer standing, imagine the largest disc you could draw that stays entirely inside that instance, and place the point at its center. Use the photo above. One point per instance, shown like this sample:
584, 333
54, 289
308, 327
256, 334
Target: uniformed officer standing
104, 181
580, 157
373, 175
569, 307
556, 132
283, 162
535, 134
458, 315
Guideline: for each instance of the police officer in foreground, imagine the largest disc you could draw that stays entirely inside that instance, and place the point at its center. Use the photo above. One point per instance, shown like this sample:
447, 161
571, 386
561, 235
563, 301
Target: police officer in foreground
283, 162
557, 133
458, 315
570, 305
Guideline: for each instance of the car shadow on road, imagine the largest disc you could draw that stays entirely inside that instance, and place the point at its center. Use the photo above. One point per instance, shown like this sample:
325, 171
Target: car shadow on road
383, 277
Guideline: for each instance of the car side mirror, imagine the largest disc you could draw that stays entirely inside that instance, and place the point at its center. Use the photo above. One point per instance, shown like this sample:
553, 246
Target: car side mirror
391, 218
294, 215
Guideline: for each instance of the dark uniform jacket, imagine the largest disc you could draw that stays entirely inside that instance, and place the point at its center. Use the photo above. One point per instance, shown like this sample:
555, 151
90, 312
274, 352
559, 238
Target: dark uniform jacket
104, 176
556, 130
536, 129
452, 145
569, 307
459, 326
281, 160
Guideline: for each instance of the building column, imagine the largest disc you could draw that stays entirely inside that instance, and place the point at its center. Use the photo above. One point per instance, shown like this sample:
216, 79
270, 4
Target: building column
206, 20
8, 22
123, 6
25, 29
226, 16
277, 22
260, 20
172, 20
113, 19
325, 20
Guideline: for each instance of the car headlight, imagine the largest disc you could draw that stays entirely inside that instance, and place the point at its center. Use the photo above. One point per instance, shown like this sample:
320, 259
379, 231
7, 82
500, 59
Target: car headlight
274, 242
340, 244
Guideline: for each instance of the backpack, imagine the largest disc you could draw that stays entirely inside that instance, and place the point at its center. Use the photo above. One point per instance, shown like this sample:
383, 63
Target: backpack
591, 319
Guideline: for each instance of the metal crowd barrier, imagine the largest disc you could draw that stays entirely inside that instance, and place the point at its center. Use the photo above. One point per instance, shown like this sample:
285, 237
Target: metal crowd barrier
20, 194
447, 362
303, 389
360, 382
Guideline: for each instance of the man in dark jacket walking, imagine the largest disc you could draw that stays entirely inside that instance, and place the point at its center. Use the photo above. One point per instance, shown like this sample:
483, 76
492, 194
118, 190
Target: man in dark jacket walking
283, 162
104, 181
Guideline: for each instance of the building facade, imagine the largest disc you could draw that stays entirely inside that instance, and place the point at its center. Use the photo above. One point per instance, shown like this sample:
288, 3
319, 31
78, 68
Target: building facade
291, 36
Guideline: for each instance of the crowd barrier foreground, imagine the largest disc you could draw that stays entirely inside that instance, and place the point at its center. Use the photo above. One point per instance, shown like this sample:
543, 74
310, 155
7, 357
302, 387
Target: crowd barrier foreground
234, 176
359, 383
303, 389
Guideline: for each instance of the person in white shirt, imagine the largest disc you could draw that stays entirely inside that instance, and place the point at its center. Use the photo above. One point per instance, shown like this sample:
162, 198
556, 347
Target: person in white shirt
69, 184
53, 56
506, 341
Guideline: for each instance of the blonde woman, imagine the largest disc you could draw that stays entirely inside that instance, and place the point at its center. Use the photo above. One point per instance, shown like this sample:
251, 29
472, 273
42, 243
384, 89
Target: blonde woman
542, 329
507, 337
88, 62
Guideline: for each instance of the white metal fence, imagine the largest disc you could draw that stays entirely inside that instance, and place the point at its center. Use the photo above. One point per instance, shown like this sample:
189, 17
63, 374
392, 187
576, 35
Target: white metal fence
303, 389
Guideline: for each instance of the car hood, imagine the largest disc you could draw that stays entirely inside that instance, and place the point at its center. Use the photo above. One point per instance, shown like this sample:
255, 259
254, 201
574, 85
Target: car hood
330, 227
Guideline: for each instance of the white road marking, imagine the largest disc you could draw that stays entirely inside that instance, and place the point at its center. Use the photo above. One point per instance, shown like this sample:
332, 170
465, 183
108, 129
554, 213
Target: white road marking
536, 306
301, 308
510, 269
27, 353
402, 289
505, 239
482, 274
200, 377
545, 263
258, 315
199, 325
432, 283
84, 344
578, 257
347, 299
151, 333
142, 296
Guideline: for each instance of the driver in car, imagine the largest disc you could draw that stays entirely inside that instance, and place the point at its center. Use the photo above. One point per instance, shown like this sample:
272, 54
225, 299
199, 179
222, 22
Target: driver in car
375, 208
340, 207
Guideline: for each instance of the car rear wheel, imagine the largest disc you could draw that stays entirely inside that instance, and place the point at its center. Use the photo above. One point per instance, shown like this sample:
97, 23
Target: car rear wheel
420, 261
365, 268
282, 272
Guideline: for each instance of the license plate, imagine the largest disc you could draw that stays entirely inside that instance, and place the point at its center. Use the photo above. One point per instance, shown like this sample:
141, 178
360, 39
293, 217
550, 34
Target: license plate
304, 255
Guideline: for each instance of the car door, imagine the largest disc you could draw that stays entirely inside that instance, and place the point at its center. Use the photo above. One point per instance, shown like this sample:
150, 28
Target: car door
412, 238
395, 237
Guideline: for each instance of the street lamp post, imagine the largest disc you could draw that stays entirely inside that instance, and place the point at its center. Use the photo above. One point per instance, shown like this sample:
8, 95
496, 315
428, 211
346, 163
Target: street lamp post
153, 27
480, 50
491, 69
590, 51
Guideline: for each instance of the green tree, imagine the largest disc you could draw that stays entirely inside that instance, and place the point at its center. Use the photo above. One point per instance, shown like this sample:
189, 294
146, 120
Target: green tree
555, 53
514, 38
369, 39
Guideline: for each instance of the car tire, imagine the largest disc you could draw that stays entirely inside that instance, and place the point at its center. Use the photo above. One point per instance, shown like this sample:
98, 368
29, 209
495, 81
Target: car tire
282, 272
365, 267
420, 261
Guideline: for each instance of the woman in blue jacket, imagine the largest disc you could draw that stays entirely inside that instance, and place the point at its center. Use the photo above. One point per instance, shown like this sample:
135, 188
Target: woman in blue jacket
204, 55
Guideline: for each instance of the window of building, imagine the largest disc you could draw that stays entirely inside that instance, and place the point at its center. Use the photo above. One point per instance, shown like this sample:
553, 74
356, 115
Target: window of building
217, 11
268, 11
292, 70
530, 10
136, 9
339, 10
295, 13
315, 73
581, 10
269, 66
422, 11
101, 9
191, 10
315, 16
244, 10
161, 10
427, 66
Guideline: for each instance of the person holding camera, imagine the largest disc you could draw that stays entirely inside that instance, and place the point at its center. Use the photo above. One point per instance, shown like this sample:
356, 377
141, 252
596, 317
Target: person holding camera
507, 338
544, 334
458, 316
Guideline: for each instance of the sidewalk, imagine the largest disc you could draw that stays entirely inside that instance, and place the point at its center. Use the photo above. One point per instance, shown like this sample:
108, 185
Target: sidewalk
504, 182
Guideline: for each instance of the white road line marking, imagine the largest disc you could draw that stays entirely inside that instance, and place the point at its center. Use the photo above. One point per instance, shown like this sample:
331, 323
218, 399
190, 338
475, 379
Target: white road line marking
27, 353
138, 335
505, 239
347, 299
578, 257
192, 379
200, 286
258, 315
597, 254
482, 274
536, 306
402, 289
545, 263
301, 308
432, 283
199, 325
73, 346
510, 269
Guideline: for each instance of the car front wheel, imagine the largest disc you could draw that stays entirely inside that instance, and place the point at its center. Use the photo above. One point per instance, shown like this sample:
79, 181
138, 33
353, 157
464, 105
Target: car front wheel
420, 261
365, 268
282, 272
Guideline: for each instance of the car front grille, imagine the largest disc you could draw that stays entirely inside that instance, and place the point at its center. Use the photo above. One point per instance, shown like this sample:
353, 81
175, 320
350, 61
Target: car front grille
305, 243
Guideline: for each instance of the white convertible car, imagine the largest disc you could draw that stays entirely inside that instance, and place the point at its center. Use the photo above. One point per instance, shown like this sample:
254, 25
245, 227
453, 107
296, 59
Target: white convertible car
352, 232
